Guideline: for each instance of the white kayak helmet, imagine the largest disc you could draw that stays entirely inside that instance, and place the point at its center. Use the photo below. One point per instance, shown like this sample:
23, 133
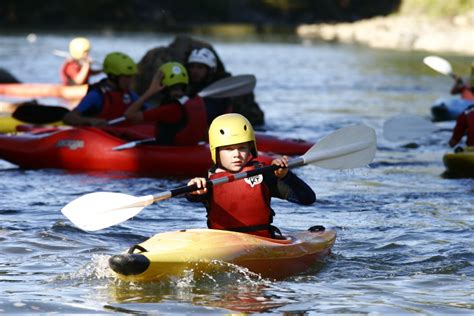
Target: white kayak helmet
203, 56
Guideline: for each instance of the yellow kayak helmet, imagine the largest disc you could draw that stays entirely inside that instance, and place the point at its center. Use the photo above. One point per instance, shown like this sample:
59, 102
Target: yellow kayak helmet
231, 129
173, 73
78, 46
119, 64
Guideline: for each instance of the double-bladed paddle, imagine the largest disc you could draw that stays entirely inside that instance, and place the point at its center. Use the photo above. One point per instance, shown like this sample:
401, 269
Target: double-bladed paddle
349, 147
65, 54
440, 65
224, 88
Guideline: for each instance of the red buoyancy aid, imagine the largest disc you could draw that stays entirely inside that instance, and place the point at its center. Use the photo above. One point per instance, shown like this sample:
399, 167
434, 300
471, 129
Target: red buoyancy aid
114, 104
467, 93
69, 70
195, 126
242, 205
470, 125
465, 125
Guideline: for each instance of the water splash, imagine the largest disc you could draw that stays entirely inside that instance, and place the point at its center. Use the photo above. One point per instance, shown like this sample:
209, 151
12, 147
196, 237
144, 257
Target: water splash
96, 269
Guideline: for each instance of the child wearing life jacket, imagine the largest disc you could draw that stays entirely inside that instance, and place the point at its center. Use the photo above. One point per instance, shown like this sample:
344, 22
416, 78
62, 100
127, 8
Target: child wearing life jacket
244, 205
179, 120
464, 125
202, 69
466, 90
109, 98
77, 69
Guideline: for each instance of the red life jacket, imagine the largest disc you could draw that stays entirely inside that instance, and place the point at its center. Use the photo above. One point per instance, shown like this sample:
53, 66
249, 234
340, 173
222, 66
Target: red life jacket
242, 205
467, 93
465, 125
195, 128
115, 103
190, 130
470, 125
69, 70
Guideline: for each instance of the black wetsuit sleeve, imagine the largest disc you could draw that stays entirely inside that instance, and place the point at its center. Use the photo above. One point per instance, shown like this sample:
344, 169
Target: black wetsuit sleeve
290, 188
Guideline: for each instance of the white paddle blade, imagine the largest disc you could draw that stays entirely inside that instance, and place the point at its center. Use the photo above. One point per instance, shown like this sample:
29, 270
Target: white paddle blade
230, 87
348, 147
99, 210
406, 127
439, 64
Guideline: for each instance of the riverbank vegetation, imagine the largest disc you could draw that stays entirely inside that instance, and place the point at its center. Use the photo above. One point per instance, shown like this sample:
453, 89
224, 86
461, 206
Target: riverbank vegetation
436, 8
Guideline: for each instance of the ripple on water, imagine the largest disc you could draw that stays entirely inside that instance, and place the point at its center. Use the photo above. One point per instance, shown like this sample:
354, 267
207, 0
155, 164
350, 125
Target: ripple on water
404, 233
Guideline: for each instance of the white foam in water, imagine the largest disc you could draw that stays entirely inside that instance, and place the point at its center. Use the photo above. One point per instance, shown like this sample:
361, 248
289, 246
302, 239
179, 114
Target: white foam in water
96, 269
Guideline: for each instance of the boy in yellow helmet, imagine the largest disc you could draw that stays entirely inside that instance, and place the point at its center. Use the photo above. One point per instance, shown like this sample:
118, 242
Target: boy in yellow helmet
179, 120
77, 69
244, 205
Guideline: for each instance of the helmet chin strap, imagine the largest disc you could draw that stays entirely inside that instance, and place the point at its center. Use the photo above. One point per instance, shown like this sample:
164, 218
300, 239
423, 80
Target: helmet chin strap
113, 80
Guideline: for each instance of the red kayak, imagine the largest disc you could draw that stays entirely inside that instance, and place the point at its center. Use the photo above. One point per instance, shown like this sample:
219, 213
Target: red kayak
90, 149
38, 90
265, 142
281, 146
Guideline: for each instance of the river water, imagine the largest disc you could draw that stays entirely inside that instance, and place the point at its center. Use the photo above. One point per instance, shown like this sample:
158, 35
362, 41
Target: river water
405, 234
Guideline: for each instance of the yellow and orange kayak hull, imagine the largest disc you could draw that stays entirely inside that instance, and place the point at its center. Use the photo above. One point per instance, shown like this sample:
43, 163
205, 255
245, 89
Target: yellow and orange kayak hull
204, 251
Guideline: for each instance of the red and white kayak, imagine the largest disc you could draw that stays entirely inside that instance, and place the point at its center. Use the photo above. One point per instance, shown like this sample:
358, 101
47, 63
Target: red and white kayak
41, 90
90, 149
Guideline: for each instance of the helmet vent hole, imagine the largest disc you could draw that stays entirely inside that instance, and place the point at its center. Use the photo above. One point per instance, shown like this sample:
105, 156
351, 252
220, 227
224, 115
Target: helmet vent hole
222, 132
245, 127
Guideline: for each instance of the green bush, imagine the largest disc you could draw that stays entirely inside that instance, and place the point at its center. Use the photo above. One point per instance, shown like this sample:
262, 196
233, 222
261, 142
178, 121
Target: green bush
436, 8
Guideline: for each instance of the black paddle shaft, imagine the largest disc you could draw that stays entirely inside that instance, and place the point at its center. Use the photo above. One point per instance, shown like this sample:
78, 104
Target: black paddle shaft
241, 175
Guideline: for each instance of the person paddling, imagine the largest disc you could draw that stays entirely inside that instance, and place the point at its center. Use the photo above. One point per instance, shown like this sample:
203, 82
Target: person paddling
78, 69
464, 126
179, 120
109, 98
244, 205
466, 90
202, 67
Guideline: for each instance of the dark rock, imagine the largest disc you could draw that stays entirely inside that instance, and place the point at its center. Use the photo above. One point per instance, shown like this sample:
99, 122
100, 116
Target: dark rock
178, 51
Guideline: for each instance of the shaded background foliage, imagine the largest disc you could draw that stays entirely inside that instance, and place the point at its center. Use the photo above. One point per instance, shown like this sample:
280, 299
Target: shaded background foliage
164, 15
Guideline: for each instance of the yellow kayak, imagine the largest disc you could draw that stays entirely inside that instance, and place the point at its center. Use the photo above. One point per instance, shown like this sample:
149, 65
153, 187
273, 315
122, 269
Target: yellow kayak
204, 250
460, 164
8, 124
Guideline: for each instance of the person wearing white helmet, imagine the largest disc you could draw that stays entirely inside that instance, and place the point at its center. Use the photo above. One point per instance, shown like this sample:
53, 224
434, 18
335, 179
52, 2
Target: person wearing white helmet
202, 66
77, 69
